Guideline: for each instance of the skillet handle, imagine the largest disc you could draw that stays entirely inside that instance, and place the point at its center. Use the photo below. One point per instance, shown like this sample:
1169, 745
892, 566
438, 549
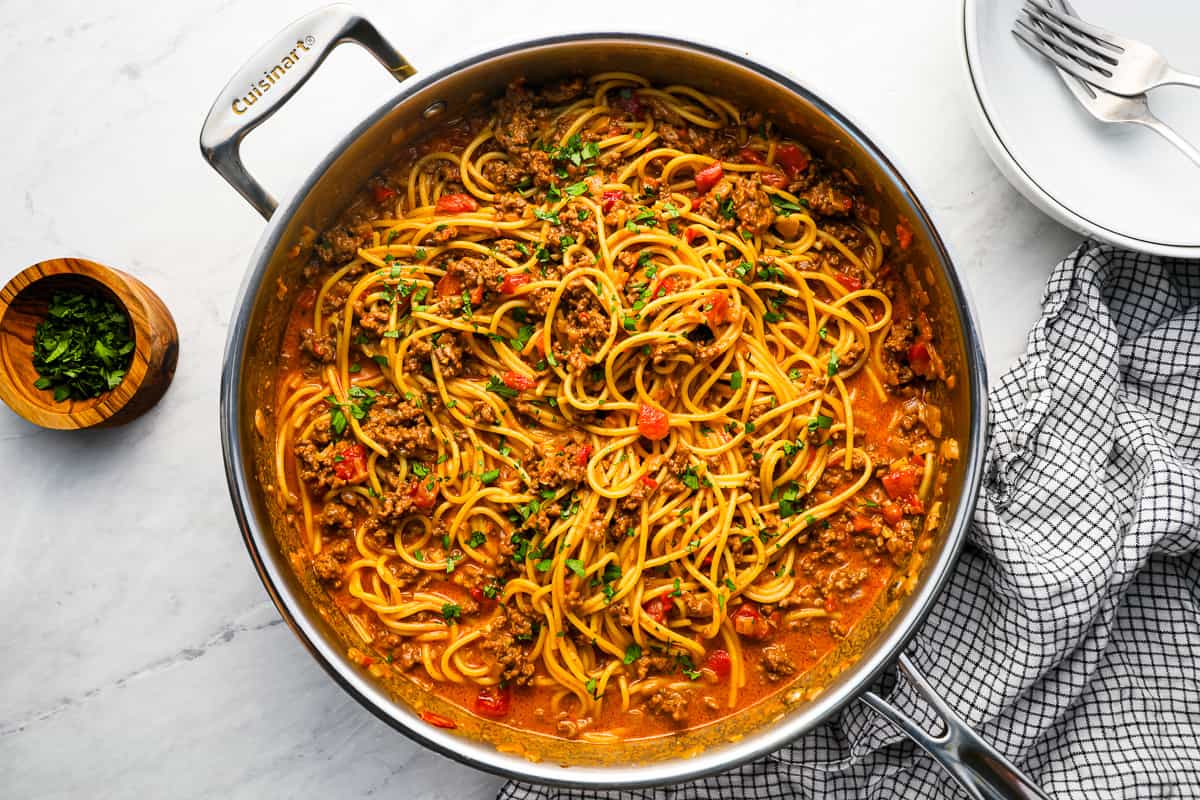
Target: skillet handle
981, 771
271, 77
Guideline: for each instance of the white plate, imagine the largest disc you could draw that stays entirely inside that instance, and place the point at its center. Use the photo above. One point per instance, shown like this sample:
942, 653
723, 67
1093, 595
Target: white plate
1121, 183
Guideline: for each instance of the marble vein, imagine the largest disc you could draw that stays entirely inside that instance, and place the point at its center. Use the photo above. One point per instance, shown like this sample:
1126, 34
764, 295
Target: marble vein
222, 637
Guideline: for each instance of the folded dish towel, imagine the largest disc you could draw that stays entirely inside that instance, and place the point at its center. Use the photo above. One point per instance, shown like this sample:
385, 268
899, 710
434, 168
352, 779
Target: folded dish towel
1069, 634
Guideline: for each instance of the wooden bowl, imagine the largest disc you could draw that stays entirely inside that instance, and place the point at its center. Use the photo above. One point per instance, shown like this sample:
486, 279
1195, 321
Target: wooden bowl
24, 302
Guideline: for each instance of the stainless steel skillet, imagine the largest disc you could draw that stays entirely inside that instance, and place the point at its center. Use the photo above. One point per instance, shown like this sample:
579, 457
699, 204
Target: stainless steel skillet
264, 84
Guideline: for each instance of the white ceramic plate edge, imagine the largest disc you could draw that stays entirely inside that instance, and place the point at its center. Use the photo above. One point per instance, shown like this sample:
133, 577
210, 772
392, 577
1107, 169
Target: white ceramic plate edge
1022, 181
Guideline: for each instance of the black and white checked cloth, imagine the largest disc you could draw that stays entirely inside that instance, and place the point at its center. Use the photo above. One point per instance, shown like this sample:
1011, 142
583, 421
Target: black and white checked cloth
1069, 634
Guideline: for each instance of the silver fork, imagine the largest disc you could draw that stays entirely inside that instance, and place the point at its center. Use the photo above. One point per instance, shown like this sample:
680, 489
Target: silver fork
1104, 106
1116, 63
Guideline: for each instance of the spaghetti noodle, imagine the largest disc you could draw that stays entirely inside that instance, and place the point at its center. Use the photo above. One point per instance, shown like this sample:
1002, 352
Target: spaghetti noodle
608, 402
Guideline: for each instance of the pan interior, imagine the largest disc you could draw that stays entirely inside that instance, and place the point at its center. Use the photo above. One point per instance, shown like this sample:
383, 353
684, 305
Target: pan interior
249, 379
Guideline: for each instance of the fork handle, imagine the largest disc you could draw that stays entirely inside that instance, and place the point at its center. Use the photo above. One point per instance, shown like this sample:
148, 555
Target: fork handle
1167, 132
1171, 75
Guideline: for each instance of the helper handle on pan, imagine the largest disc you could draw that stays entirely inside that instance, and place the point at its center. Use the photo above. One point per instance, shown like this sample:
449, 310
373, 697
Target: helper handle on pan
271, 77
978, 767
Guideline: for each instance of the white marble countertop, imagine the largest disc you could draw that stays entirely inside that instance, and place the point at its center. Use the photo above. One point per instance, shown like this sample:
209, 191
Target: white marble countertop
142, 657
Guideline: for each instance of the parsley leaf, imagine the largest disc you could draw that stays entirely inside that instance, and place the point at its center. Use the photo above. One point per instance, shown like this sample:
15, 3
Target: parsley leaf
498, 386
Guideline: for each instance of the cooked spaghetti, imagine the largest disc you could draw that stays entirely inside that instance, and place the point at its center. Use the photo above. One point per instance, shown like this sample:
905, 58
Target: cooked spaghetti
606, 412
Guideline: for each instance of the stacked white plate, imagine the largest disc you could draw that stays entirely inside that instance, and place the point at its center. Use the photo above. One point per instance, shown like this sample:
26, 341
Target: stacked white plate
1120, 183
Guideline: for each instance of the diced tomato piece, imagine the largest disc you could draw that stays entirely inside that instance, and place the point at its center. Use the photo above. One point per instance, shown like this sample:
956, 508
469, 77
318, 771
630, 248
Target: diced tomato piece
383, 193
707, 562
773, 179
494, 703
609, 199
477, 295
851, 283
477, 594
650, 482
902, 482
919, 360
585, 453
720, 663
514, 281
717, 304
708, 177
653, 423
750, 156
792, 159
748, 622
353, 466
456, 204
306, 299
903, 236
912, 504
448, 286
693, 203
515, 380
892, 512
659, 608
860, 523
422, 498
631, 105
437, 720
690, 235
665, 287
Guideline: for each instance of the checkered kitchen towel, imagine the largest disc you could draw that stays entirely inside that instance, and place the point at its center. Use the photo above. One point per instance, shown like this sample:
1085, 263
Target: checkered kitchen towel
1069, 635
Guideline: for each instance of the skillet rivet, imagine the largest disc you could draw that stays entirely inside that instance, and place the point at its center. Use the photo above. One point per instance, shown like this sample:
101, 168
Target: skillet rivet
433, 109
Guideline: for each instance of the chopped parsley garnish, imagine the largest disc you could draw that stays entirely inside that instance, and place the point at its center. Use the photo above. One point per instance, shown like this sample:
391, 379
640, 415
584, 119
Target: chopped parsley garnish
632, 653
590, 686
363, 399
489, 476
646, 217
451, 612
735, 380
687, 666
821, 421
576, 189
522, 338
833, 363
690, 478
498, 386
787, 500
576, 566
83, 348
477, 540
784, 208
547, 216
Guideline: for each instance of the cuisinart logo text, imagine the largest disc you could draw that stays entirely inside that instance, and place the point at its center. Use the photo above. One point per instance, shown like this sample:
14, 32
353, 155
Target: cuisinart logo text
257, 89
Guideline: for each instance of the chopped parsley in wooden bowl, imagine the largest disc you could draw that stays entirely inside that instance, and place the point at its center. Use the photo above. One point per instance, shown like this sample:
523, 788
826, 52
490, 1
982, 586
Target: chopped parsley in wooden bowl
83, 348
83, 345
